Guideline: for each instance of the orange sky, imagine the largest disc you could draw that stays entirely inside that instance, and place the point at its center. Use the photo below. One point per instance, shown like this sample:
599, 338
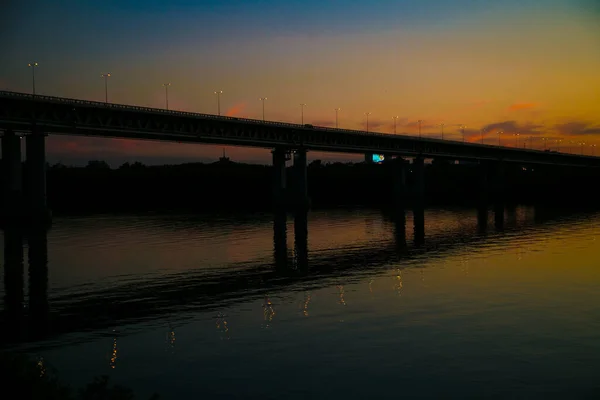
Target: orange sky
528, 69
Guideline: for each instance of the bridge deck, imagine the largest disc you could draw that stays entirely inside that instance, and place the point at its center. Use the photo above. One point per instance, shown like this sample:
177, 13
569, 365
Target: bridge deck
56, 115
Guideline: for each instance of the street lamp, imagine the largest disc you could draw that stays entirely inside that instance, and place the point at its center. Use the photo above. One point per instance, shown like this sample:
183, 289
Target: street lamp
32, 66
106, 76
442, 126
582, 144
395, 120
367, 114
593, 146
516, 140
166, 85
336, 117
482, 131
499, 133
558, 142
420, 127
462, 128
263, 106
218, 93
302, 113
545, 139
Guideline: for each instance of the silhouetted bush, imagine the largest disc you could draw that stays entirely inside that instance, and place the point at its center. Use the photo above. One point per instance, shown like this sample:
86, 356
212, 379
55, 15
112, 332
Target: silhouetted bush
23, 378
229, 186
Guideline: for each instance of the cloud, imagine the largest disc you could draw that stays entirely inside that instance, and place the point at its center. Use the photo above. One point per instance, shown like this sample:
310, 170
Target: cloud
521, 106
576, 128
236, 110
526, 128
323, 122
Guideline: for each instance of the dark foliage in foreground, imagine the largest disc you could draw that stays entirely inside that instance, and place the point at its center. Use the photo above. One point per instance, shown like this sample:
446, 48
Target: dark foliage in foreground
27, 379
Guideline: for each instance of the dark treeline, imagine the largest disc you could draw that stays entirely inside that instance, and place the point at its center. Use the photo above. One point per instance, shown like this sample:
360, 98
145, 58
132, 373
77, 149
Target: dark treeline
234, 186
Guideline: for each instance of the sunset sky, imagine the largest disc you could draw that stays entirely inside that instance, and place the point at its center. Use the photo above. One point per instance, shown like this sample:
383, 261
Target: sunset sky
518, 66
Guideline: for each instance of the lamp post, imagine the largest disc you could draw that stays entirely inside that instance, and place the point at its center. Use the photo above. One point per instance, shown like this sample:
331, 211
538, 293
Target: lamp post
499, 133
106, 76
395, 120
462, 129
263, 106
367, 114
545, 140
516, 140
166, 85
336, 117
420, 128
593, 146
302, 113
218, 93
32, 66
482, 131
582, 144
442, 126
558, 142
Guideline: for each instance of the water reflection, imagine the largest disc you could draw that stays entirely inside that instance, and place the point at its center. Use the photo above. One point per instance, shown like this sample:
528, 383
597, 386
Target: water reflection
13, 283
26, 319
112, 363
482, 219
419, 228
38, 282
280, 239
400, 230
101, 306
301, 241
499, 216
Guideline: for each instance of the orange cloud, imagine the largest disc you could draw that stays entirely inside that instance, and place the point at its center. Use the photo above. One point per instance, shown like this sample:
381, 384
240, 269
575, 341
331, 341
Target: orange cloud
236, 110
521, 106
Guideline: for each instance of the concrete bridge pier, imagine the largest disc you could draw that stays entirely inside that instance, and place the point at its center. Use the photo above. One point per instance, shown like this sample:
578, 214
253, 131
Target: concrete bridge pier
301, 202
419, 180
279, 177
399, 183
498, 195
419, 201
38, 211
12, 209
279, 208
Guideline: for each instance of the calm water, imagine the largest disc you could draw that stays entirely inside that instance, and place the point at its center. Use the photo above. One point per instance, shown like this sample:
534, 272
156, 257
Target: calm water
195, 307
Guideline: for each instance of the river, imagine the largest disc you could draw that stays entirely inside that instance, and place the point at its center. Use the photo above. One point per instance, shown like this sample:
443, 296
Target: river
195, 306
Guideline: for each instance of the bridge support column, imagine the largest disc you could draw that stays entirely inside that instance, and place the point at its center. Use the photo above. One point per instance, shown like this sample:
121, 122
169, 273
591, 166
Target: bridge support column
301, 200
36, 178
12, 209
499, 195
279, 209
419, 180
279, 178
399, 183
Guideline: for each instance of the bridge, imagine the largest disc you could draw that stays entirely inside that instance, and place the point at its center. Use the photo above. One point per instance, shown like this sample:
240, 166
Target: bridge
34, 117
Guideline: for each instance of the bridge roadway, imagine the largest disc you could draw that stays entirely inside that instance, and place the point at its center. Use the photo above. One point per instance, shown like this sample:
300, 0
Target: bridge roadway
25, 113
182, 295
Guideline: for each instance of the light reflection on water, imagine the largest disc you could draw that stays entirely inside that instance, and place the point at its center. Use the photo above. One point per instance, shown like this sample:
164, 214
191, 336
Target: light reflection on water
193, 307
